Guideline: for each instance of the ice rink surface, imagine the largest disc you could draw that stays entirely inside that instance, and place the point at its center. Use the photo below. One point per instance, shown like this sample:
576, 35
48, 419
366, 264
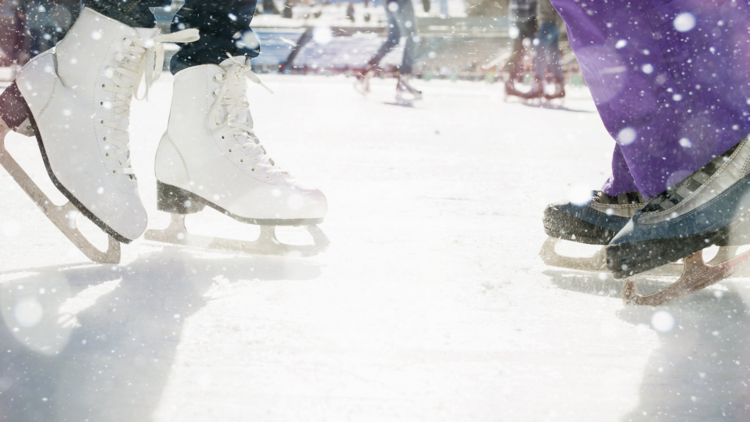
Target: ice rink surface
430, 305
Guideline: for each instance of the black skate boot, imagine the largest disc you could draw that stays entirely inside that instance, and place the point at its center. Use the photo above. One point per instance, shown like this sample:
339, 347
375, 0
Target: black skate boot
595, 223
711, 207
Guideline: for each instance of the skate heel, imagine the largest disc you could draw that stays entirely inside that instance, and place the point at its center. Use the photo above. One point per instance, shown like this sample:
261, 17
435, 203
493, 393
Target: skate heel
13, 108
177, 201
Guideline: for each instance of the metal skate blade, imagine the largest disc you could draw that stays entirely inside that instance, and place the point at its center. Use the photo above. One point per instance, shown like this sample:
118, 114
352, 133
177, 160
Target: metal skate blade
266, 244
596, 262
696, 275
62, 216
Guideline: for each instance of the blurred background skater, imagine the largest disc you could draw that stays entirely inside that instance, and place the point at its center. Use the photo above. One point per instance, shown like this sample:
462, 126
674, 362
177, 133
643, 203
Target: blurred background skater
547, 54
401, 23
523, 29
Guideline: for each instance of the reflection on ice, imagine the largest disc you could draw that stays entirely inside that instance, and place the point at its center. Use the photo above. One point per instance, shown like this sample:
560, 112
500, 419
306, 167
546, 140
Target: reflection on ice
97, 342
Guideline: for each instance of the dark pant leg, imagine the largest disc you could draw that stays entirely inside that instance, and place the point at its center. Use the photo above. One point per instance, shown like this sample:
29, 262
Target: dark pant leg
224, 26
408, 24
133, 13
547, 51
394, 36
621, 181
525, 30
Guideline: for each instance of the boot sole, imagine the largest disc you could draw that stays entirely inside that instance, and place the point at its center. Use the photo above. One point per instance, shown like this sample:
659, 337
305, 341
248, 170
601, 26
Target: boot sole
176, 200
14, 111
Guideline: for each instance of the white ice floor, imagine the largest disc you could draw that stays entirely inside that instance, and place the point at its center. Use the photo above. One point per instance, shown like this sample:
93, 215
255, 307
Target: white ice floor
431, 304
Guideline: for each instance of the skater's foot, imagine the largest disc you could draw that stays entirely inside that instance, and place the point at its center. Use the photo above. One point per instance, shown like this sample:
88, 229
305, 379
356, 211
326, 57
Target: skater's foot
405, 92
559, 90
404, 85
595, 223
212, 156
708, 208
512, 91
537, 90
362, 83
76, 100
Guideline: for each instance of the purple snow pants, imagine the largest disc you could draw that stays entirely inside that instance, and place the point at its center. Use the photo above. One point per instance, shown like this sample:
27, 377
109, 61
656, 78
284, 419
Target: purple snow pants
671, 81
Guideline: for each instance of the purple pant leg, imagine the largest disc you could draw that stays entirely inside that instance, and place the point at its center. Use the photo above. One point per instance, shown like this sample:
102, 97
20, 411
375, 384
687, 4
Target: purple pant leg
671, 81
621, 180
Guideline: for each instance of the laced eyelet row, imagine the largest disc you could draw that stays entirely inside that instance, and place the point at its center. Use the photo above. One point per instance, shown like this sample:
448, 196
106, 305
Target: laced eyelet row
121, 104
124, 77
228, 113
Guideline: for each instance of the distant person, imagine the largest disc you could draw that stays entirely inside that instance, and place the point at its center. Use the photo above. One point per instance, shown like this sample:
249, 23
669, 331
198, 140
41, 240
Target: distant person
547, 51
401, 23
522, 27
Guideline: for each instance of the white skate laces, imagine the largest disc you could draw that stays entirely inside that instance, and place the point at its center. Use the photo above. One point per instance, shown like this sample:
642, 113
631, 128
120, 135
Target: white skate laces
138, 57
231, 111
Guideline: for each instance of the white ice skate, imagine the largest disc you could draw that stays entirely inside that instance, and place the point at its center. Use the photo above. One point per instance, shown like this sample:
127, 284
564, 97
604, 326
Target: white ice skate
405, 93
75, 99
362, 83
211, 156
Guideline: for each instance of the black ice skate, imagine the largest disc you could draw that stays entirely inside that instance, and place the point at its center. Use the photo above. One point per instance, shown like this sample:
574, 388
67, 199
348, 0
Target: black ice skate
711, 207
595, 223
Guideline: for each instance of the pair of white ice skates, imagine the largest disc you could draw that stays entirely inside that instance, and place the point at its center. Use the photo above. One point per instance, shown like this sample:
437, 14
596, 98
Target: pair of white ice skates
75, 99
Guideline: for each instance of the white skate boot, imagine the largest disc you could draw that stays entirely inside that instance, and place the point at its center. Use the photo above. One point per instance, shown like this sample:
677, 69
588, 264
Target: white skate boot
211, 156
405, 93
362, 82
75, 99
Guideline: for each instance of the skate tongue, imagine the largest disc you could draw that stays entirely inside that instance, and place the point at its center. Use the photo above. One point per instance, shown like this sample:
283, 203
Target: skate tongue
231, 108
233, 60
